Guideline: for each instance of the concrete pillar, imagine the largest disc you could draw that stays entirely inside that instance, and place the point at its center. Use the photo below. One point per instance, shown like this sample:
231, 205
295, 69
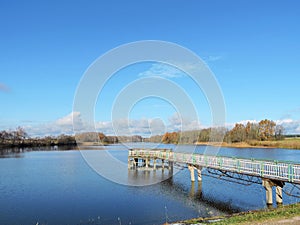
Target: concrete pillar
162, 164
154, 164
129, 163
268, 184
199, 170
268, 187
147, 162
278, 195
191, 169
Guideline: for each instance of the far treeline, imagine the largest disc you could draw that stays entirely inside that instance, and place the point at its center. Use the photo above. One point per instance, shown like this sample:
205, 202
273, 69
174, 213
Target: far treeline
265, 130
264, 133
19, 138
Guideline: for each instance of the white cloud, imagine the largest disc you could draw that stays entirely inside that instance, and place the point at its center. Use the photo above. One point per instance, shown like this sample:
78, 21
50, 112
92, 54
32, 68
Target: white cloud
145, 127
125, 127
162, 70
179, 123
290, 126
62, 125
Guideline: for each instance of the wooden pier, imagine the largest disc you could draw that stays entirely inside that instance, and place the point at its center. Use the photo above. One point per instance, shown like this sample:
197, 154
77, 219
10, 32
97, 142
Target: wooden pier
272, 173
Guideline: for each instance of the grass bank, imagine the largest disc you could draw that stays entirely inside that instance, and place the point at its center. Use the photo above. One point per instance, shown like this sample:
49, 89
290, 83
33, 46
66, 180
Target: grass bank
289, 143
289, 214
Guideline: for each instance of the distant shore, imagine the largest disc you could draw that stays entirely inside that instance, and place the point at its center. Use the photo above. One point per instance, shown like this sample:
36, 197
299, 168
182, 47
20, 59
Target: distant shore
293, 143
288, 143
231, 145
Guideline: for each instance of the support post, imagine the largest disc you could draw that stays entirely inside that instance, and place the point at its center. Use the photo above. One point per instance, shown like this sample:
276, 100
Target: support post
267, 184
147, 162
154, 163
199, 170
170, 165
170, 168
191, 169
278, 195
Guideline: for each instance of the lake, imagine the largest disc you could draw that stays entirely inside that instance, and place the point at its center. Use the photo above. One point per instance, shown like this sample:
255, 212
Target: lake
59, 187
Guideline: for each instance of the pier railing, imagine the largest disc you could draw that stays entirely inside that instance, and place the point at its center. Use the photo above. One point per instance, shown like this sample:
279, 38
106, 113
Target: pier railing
276, 170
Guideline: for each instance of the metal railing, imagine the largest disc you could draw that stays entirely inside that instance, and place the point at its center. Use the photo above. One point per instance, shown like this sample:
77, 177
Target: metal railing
283, 171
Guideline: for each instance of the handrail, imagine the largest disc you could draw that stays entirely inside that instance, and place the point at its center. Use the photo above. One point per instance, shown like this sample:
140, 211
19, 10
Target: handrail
276, 170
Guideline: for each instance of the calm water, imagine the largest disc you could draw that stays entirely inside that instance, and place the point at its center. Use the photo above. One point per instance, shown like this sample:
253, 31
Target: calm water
58, 187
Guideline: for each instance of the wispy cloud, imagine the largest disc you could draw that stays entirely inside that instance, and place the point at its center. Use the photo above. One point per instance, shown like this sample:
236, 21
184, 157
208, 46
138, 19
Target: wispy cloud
213, 58
162, 70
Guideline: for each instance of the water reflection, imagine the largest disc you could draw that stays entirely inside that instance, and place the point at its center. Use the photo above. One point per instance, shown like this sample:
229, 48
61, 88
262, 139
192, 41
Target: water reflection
18, 152
11, 153
148, 176
196, 193
78, 195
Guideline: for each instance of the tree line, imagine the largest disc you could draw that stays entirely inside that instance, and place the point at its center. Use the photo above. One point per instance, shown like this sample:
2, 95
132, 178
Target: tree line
20, 138
263, 131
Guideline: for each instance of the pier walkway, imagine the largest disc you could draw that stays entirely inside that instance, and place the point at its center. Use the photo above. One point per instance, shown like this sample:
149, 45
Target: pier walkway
272, 173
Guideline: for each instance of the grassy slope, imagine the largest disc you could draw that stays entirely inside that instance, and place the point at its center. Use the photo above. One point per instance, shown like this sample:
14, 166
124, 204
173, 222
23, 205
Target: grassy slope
254, 217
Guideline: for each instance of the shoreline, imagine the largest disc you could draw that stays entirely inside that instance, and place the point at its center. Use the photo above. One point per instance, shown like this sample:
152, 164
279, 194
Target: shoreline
283, 144
231, 145
285, 214
293, 144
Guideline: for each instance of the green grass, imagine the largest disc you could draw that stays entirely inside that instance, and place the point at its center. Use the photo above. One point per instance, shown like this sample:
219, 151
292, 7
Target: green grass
283, 212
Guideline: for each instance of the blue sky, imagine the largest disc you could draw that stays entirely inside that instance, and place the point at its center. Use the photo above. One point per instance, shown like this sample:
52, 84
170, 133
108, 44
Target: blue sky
252, 47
